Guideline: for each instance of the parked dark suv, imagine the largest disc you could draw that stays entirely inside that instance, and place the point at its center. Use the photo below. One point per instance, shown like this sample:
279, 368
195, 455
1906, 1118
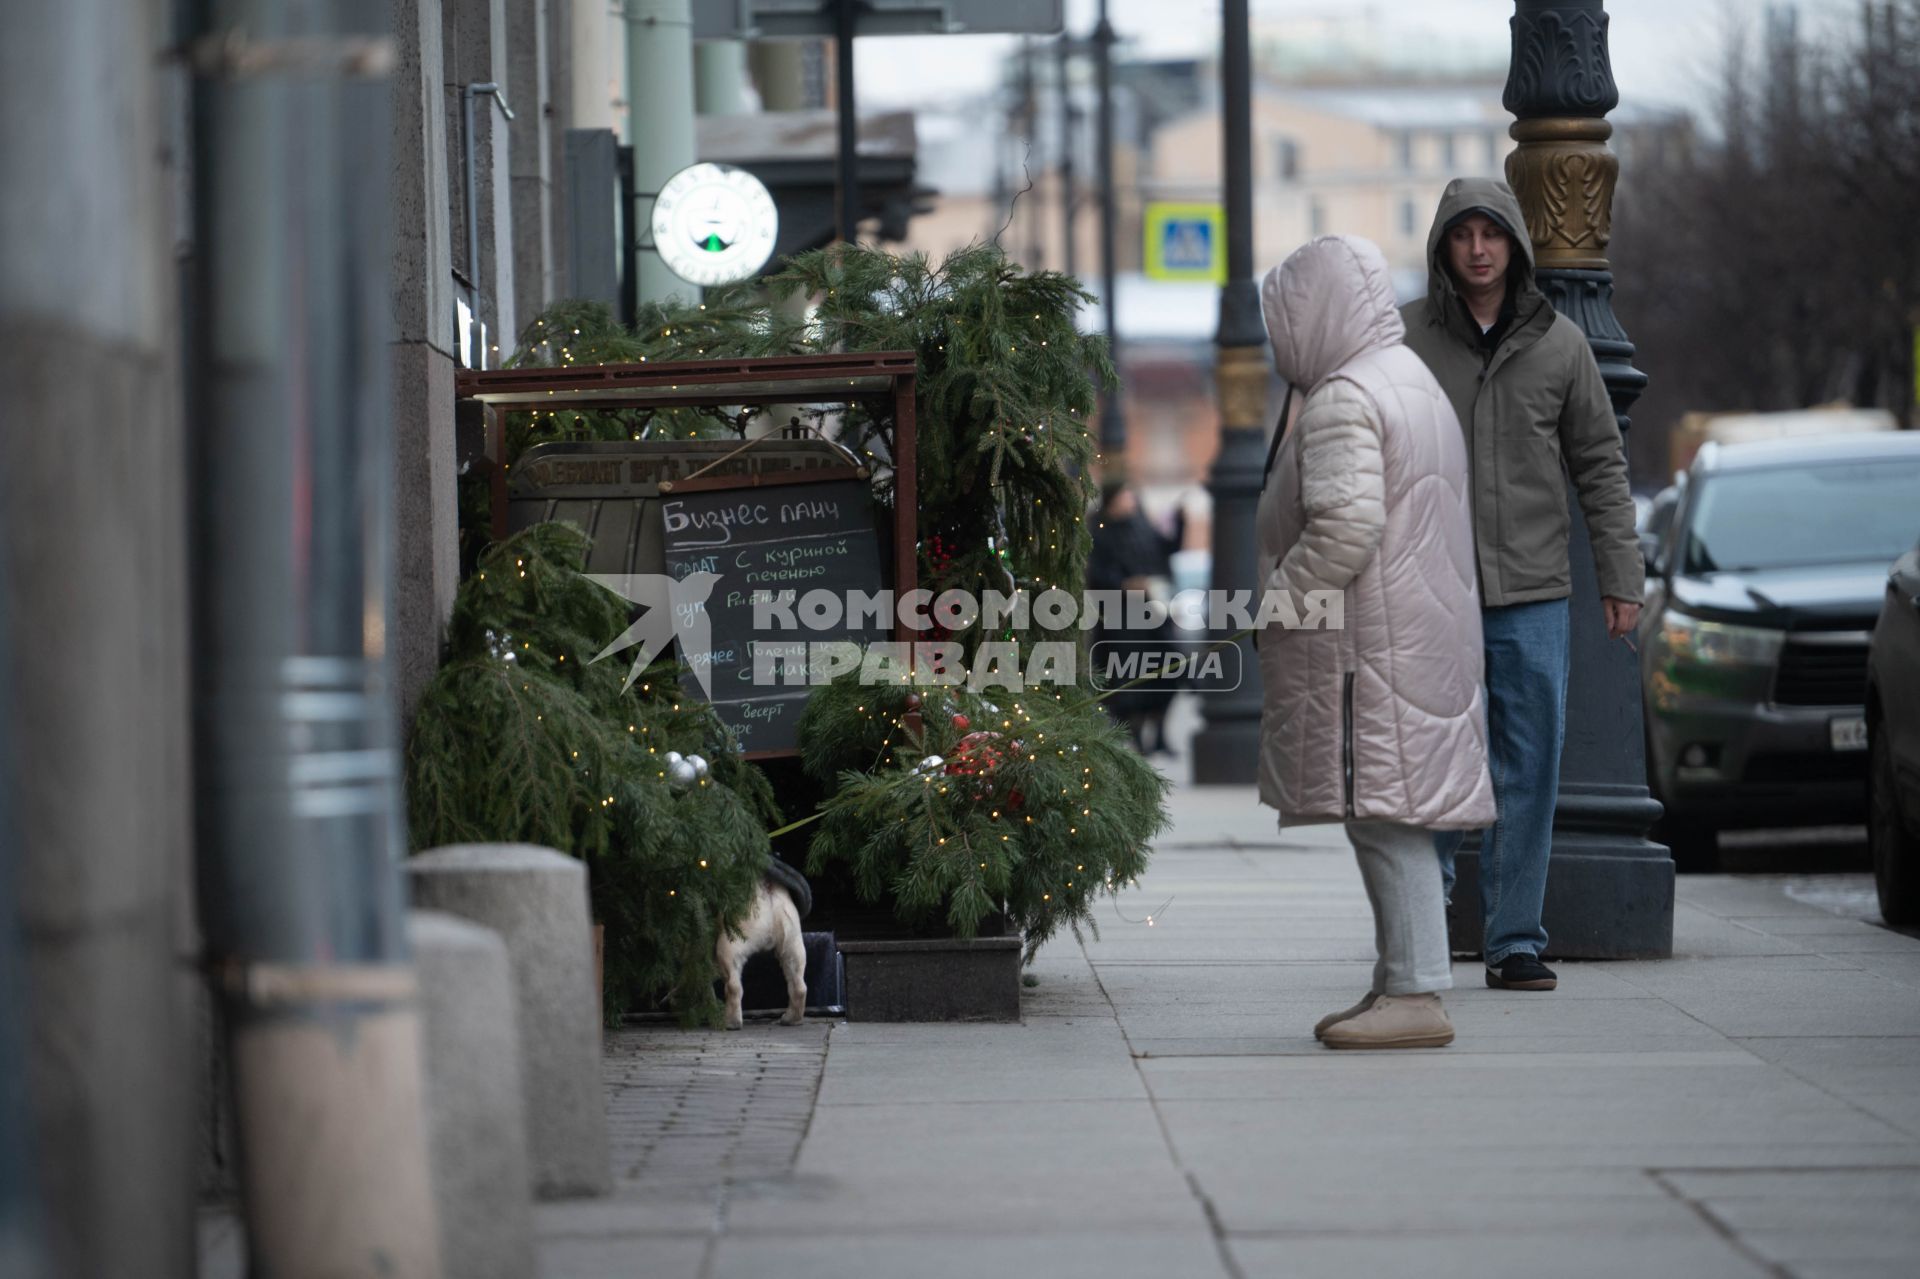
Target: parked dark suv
1753, 645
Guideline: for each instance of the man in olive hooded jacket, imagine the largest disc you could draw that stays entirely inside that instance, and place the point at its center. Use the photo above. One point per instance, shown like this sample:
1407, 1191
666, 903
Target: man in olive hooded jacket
1528, 393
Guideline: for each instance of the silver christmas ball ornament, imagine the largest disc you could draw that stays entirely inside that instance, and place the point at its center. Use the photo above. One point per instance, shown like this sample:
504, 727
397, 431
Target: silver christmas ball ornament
680, 773
700, 769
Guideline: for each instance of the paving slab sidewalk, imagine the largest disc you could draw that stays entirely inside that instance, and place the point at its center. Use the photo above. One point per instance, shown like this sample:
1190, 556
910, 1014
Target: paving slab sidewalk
1747, 1108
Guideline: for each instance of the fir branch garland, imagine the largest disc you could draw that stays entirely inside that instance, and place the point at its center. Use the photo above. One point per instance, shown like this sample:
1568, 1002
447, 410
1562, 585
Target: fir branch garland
520, 739
1035, 806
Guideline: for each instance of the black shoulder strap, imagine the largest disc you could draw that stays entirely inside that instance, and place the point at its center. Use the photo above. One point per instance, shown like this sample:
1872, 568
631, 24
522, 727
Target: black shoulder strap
1279, 433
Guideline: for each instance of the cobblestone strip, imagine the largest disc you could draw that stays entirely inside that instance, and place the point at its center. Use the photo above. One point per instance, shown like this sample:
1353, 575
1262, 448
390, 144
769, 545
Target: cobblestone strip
699, 1110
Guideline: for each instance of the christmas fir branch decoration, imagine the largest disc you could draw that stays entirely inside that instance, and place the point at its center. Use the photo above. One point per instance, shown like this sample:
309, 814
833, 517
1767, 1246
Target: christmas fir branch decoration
1004, 389
947, 803
731, 323
519, 739
1005, 818
954, 804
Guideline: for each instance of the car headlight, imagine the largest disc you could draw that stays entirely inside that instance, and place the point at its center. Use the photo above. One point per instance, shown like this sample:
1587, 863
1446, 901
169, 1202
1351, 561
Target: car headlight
1691, 639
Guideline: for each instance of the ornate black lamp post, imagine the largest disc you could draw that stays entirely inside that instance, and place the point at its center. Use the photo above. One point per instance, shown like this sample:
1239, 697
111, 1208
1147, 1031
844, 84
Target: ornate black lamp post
1227, 749
1610, 891
1113, 422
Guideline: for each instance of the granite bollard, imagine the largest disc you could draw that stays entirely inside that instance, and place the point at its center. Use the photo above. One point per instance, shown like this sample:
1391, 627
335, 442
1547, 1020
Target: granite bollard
536, 899
476, 1114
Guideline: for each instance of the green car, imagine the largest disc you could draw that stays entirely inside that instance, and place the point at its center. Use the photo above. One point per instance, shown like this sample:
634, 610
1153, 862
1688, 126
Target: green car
1761, 601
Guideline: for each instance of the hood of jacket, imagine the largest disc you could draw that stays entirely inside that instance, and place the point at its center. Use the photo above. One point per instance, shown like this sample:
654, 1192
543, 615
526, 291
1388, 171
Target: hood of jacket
1328, 304
1497, 200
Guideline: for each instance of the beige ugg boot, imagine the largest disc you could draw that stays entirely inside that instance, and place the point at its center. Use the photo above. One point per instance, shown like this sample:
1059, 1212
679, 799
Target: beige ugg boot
1394, 1021
1320, 1027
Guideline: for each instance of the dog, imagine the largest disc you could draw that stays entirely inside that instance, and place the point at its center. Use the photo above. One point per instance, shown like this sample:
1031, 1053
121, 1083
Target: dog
773, 923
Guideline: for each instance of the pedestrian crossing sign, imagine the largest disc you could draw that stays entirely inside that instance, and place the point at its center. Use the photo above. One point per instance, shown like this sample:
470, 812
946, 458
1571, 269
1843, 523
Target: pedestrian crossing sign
1186, 242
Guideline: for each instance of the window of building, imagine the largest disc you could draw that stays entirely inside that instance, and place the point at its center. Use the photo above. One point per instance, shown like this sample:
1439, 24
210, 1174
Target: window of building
1446, 152
1493, 151
1409, 216
1287, 159
1316, 217
1403, 146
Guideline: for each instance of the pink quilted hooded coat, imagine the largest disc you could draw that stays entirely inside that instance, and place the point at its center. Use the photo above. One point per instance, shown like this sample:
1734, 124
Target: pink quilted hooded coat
1384, 718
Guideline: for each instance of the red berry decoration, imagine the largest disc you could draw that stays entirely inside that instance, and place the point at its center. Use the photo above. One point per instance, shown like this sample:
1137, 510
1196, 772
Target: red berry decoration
961, 723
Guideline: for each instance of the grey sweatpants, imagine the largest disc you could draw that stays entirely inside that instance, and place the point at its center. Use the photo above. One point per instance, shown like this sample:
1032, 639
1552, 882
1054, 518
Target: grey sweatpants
1402, 875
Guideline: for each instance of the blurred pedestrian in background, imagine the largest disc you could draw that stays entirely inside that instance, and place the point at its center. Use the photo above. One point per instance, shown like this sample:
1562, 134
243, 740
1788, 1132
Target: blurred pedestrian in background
1131, 554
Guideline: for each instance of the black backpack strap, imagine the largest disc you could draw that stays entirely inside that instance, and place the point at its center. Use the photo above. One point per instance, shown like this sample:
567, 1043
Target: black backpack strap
1279, 433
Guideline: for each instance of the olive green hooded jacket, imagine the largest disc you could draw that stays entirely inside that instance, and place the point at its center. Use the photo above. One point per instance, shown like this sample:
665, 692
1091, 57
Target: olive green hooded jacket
1535, 412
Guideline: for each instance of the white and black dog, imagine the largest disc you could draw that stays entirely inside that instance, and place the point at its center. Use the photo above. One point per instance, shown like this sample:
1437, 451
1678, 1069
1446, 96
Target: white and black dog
773, 923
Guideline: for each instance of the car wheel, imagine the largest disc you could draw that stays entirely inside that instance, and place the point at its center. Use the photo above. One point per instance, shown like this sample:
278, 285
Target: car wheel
1896, 853
1694, 844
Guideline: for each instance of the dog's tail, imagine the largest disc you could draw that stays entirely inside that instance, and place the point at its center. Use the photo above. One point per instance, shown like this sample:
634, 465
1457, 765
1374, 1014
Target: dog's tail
794, 882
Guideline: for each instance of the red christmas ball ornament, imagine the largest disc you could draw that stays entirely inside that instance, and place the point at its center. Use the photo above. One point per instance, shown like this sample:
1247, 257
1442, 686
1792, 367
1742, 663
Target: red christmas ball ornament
961, 723
979, 755
976, 754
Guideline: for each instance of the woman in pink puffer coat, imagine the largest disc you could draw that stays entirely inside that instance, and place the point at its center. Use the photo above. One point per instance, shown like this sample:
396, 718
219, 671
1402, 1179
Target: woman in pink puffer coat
1378, 723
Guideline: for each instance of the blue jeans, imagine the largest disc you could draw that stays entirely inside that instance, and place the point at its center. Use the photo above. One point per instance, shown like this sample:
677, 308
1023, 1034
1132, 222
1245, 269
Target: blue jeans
1526, 650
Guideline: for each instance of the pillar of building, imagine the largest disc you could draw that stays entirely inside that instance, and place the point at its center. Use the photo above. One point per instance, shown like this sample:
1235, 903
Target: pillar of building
425, 513
98, 614
557, 119
720, 77
93, 565
660, 104
475, 52
598, 52
530, 162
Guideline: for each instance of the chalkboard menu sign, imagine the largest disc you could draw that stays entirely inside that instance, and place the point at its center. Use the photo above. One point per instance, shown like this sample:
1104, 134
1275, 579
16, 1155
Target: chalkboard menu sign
796, 538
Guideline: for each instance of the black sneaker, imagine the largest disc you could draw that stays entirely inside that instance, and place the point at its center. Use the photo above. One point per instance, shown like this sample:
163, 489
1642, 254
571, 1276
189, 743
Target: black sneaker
1521, 971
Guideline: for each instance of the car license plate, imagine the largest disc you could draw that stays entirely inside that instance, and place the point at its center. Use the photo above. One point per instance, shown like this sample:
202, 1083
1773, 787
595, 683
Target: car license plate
1849, 733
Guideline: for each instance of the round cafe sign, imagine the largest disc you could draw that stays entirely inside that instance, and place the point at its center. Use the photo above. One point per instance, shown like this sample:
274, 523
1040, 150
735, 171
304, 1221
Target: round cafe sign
714, 224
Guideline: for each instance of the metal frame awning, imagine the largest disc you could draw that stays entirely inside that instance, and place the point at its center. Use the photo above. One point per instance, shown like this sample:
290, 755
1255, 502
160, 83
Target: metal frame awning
886, 376
679, 383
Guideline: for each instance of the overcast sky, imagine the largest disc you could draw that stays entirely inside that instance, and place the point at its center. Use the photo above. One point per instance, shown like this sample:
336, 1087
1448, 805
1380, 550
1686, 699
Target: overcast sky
1663, 50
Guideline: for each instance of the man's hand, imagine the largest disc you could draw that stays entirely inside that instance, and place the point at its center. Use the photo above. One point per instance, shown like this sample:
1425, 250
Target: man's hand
1622, 616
